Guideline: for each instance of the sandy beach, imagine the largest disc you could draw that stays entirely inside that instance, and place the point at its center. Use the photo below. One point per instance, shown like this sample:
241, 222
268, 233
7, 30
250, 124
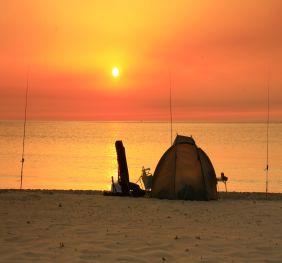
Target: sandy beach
85, 226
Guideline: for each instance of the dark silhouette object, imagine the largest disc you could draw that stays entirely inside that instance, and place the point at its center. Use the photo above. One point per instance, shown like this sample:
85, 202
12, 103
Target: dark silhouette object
123, 176
184, 172
127, 188
146, 178
223, 179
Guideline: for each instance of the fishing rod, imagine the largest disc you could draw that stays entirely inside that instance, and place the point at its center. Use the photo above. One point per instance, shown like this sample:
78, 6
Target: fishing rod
24, 131
267, 139
170, 110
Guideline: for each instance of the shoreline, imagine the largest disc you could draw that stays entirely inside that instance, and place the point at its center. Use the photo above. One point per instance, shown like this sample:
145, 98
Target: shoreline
222, 195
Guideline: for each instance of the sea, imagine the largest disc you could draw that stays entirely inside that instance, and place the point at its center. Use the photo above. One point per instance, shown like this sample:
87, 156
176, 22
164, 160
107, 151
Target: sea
81, 155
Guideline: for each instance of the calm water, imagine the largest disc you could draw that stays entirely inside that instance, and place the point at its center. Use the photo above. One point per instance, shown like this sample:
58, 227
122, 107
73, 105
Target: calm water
81, 155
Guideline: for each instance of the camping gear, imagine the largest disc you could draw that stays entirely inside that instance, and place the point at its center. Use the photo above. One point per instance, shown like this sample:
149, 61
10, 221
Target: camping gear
146, 178
123, 176
184, 172
123, 187
223, 179
115, 187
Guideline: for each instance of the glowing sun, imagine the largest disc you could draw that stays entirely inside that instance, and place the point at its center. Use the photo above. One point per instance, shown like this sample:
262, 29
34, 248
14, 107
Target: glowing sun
115, 72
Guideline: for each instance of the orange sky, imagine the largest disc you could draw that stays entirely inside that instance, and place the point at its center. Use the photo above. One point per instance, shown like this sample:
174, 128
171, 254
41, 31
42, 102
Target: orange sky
218, 53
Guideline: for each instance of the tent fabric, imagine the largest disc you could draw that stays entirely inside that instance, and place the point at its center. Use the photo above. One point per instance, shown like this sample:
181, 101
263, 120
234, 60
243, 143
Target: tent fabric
183, 139
209, 175
184, 172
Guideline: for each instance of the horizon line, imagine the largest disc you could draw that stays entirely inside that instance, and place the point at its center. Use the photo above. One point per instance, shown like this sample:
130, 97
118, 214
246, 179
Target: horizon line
138, 121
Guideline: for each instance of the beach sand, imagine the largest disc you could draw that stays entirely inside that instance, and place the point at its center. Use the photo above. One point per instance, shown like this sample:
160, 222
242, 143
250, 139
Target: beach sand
85, 226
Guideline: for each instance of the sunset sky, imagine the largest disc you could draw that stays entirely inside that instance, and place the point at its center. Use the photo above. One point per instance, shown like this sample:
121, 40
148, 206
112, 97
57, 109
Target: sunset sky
219, 54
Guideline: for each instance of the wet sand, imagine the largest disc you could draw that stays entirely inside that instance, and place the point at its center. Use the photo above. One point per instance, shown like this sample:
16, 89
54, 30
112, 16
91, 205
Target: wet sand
85, 226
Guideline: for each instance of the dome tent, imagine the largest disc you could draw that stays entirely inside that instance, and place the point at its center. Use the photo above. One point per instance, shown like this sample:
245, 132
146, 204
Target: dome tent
184, 172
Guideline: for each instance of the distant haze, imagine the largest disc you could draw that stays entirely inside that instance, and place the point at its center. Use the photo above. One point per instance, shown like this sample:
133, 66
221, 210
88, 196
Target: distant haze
218, 53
